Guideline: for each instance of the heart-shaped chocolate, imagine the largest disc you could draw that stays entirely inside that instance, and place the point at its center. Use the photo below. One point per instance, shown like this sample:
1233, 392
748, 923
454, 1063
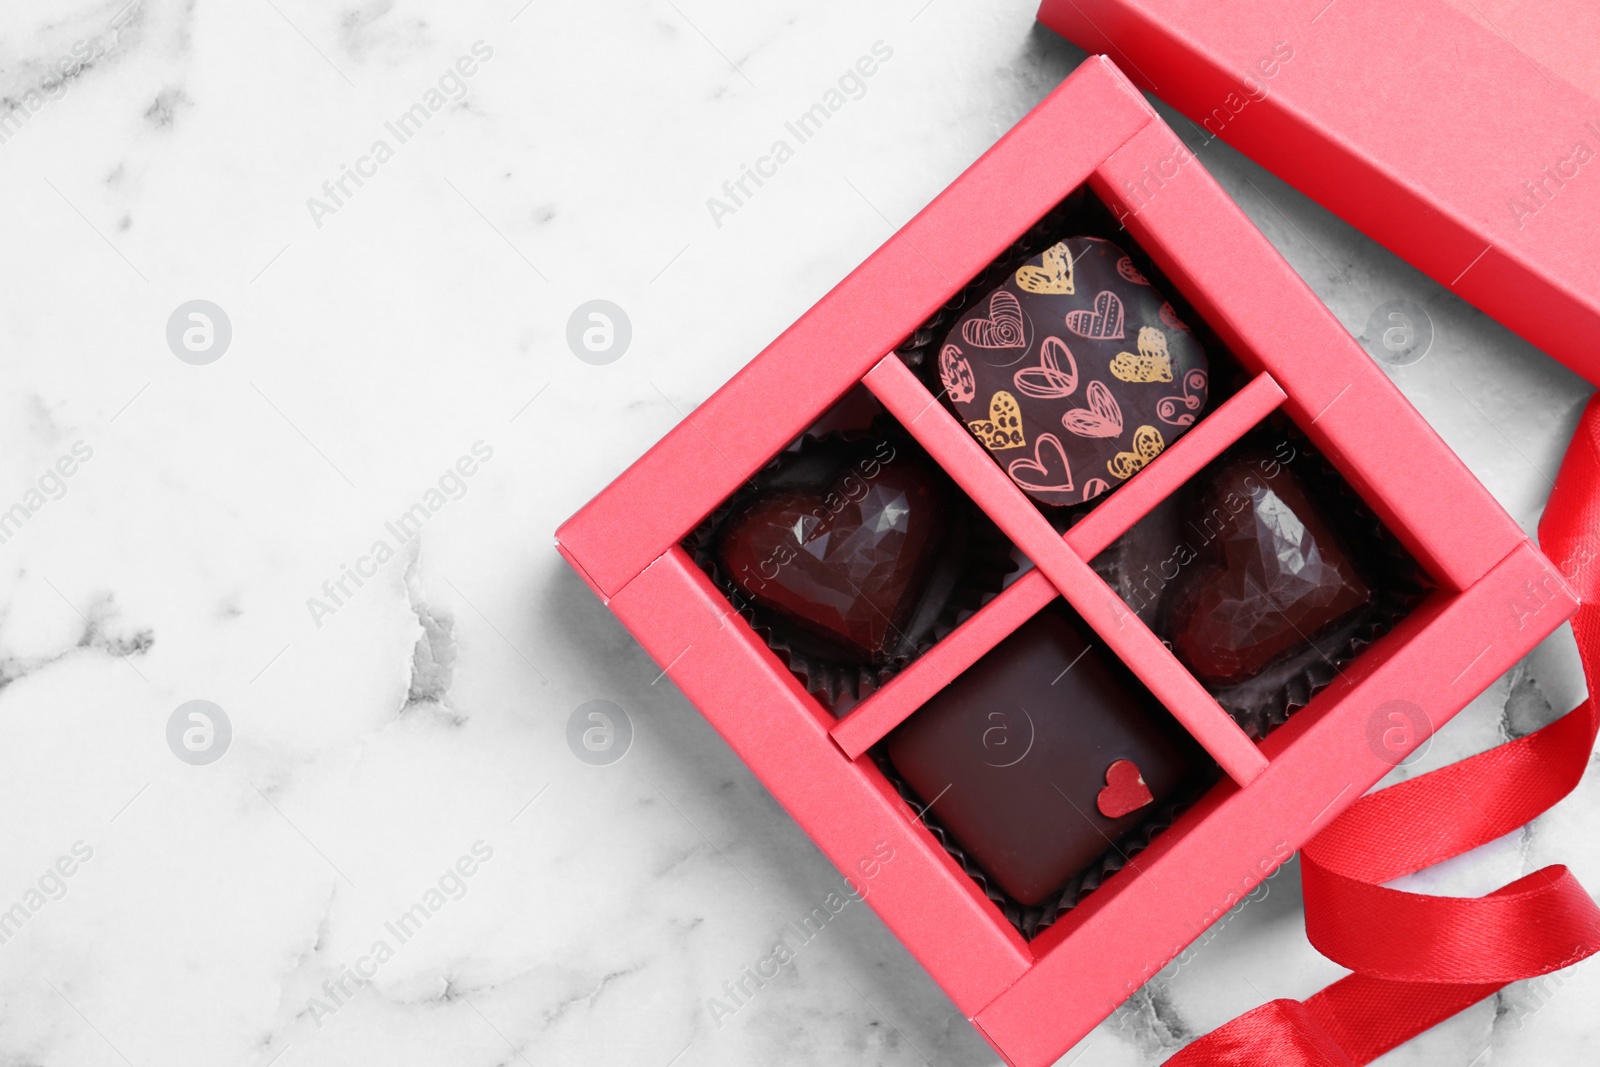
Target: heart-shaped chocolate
847, 560
1271, 576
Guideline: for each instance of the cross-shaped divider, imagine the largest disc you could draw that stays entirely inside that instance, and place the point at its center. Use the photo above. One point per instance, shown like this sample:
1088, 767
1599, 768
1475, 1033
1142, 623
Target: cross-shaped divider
1061, 568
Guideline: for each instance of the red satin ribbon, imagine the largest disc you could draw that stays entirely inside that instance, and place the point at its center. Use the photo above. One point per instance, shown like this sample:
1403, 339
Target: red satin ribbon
1419, 959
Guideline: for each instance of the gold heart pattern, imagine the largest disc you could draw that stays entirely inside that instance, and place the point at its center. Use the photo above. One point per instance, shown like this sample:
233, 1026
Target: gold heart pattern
1053, 275
1072, 411
1006, 327
1147, 445
1152, 364
956, 373
1003, 428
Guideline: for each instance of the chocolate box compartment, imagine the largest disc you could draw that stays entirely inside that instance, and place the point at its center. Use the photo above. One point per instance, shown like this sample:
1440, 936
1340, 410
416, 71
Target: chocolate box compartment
1033, 999
1115, 412
857, 553
1162, 565
1044, 768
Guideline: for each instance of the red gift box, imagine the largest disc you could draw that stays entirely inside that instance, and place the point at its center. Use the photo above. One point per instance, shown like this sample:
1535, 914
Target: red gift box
1464, 135
1495, 597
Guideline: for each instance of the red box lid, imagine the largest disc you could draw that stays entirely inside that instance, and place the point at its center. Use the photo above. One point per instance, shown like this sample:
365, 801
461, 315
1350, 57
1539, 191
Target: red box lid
1464, 135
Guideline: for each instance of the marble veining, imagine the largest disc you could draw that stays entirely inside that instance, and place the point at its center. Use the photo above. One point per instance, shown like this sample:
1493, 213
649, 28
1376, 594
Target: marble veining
401, 857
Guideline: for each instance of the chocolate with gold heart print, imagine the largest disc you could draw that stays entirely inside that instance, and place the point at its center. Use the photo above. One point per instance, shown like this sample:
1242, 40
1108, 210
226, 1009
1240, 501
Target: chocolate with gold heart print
1002, 430
1074, 372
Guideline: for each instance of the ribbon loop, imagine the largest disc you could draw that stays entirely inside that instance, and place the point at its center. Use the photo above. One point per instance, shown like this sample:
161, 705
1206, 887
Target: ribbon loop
1420, 959
1283, 1033
1537, 924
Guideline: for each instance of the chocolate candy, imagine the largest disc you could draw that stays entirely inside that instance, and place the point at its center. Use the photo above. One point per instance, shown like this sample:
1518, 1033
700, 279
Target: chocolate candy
1270, 579
1040, 756
846, 559
1075, 373
1136, 565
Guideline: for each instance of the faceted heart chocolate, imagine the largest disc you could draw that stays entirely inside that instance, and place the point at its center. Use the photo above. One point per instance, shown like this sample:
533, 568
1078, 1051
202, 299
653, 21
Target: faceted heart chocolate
847, 560
1271, 578
1137, 565
1074, 373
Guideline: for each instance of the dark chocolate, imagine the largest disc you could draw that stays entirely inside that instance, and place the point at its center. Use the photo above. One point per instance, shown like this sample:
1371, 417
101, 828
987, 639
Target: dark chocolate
847, 559
1022, 757
1139, 565
1074, 373
1271, 579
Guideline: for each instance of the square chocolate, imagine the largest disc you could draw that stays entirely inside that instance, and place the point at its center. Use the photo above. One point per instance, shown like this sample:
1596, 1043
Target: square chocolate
1042, 756
1074, 372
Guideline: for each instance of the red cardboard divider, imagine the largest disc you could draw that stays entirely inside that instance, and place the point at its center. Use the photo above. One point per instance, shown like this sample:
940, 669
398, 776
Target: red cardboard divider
969, 464
871, 720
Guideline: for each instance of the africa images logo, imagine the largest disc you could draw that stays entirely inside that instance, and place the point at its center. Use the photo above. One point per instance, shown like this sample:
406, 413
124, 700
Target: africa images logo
451, 87
1539, 191
452, 485
850, 85
452, 884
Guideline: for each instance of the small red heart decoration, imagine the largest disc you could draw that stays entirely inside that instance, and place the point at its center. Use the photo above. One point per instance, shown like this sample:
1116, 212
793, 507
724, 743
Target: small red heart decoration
1125, 790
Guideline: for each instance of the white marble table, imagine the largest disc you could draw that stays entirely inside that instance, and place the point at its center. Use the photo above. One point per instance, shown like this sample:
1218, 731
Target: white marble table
399, 678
